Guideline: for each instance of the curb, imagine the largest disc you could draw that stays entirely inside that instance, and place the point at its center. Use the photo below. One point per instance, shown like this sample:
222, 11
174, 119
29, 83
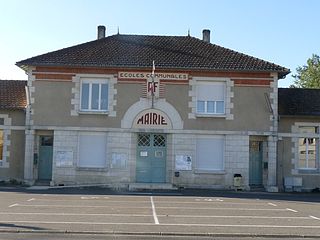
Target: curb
177, 234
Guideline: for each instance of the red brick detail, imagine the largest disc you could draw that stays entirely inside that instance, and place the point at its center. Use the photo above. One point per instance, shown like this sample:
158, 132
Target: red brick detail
252, 82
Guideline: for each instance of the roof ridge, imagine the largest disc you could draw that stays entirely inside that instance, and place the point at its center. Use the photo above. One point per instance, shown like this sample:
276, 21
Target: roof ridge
137, 50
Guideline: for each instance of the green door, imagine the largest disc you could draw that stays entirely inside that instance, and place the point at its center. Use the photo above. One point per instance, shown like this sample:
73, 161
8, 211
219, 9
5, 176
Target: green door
45, 158
151, 158
255, 163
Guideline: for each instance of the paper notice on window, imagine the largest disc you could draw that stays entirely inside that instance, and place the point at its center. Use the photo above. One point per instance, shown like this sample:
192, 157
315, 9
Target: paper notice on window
183, 163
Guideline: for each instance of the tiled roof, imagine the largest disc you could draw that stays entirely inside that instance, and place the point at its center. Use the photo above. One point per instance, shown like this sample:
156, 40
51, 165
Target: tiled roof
299, 101
13, 94
169, 52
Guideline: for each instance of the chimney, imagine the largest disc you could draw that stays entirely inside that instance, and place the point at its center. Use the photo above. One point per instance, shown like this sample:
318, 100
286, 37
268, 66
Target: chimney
206, 35
101, 32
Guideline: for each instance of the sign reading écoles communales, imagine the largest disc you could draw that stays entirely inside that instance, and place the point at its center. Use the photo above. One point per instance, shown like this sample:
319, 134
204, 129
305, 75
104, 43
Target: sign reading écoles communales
152, 118
146, 75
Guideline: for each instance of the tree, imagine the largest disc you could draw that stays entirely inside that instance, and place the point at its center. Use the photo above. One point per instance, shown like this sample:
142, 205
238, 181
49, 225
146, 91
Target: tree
308, 76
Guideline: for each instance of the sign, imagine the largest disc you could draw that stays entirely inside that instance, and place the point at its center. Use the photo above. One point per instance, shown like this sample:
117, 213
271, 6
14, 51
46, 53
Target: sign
152, 118
146, 75
64, 158
153, 87
183, 163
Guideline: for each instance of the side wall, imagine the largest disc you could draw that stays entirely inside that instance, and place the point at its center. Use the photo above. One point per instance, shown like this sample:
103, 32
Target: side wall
12, 165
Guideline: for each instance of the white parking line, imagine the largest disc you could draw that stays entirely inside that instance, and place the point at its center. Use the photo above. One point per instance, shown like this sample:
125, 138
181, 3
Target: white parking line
76, 214
13, 205
31, 199
272, 204
117, 207
291, 210
156, 220
314, 217
70, 206
227, 216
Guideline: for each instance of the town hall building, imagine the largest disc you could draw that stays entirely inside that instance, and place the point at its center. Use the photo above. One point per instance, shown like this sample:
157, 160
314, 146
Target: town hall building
157, 111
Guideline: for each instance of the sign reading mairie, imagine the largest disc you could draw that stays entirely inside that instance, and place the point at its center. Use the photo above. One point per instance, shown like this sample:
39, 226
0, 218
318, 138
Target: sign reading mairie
152, 118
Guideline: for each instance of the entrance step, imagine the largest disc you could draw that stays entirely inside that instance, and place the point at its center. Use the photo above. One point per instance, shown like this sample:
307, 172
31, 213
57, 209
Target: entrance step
151, 186
42, 183
257, 188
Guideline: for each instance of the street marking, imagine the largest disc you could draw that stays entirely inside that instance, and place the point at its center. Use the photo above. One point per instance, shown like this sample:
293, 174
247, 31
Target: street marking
314, 217
73, 206
291, 210
192, 208
272, 204
89, 198
13, 205
77, 214
219, 216
169, 224
156, 220
31, 199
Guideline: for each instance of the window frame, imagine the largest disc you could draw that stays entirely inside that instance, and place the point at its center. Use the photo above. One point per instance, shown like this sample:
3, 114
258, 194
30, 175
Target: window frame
92, 81
88, 166
307, 149
215, 101
222, 163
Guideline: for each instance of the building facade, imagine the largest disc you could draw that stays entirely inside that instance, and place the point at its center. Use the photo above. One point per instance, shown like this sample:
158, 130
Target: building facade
12, 129
102, 113
298, 145
153, 111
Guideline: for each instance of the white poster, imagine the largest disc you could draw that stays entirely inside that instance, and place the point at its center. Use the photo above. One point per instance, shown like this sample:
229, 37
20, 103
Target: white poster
119, 160
183, 163
64, 158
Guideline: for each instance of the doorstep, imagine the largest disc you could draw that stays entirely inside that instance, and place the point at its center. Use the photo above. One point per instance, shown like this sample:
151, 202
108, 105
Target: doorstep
151, 186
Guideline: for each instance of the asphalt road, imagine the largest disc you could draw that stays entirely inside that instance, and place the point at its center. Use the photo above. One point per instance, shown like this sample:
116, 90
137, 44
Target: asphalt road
188, 215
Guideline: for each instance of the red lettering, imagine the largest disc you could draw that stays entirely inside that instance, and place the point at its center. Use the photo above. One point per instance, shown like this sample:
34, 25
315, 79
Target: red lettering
163, 121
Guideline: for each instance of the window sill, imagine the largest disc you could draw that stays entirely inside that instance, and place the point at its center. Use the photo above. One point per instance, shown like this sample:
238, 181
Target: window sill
94, 112
308, 171
92, 169
203, 115
218, 172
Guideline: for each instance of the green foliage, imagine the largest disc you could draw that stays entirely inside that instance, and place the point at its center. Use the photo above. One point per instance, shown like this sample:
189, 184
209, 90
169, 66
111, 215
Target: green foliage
308, 76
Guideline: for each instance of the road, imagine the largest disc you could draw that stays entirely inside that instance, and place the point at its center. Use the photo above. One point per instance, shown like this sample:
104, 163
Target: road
141, 216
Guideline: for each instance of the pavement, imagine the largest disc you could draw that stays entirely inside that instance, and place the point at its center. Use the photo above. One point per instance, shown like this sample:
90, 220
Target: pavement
185, 213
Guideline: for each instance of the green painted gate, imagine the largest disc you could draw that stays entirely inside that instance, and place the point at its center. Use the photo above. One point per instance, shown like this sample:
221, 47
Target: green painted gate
255, 163
45, 158
151, 158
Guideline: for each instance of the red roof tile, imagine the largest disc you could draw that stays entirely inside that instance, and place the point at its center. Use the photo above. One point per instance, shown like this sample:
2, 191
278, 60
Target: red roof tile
13, 94
136, 51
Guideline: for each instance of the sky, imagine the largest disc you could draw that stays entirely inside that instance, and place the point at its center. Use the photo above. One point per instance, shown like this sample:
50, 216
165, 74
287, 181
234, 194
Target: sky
285, 32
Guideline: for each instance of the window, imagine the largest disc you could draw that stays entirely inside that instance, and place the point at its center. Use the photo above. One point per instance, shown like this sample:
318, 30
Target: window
94, 95
211, 98
1, 145
308, 149
92, 150
210, 154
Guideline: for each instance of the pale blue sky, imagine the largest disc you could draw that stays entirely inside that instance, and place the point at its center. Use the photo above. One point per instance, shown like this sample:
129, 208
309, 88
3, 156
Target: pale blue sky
285, 32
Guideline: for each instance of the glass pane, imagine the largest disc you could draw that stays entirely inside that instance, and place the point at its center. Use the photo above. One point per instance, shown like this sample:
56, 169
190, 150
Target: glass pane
104, 97
46, 140
159, 141
95, 96
302, 153
200, 106
210, 106
85, 96
220, 106
143, 140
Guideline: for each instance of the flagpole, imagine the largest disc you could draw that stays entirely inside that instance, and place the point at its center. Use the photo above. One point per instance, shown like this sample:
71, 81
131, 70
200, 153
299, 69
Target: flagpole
152, 89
